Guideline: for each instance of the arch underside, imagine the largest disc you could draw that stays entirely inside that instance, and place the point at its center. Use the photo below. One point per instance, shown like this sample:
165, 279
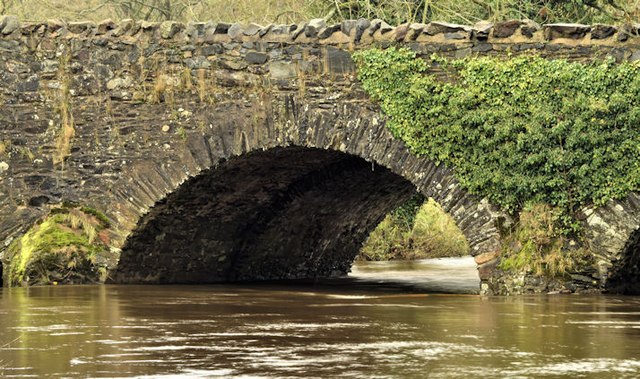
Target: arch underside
625, 273
613, 234
283, 213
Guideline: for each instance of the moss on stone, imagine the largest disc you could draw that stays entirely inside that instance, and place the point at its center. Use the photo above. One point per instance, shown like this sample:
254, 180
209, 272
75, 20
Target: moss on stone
64, 247
97, 214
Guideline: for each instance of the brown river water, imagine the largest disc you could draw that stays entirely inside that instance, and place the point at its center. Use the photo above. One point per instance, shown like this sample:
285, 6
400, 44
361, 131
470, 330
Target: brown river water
385, 321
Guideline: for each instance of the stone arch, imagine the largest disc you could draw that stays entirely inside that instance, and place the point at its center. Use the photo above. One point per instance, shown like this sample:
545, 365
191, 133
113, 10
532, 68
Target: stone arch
323, 147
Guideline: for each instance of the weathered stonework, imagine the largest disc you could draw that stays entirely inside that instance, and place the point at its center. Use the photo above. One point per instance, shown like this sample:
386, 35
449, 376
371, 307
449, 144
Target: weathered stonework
614, 233
237, 152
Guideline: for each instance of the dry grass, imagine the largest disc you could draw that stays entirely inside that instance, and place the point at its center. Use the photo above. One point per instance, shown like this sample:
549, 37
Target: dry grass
26, 153
159, 89
291, 11
4, 147
67, 130
63, 142
202, 84
264, 12
536, 247
186, 82
79, 220
206, 86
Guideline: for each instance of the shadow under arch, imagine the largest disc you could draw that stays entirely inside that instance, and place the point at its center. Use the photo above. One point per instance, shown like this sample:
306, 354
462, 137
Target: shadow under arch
625, 272
281, 213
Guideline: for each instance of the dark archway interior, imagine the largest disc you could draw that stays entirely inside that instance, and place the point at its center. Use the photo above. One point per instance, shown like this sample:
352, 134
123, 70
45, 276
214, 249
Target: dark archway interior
625, 274
284, 213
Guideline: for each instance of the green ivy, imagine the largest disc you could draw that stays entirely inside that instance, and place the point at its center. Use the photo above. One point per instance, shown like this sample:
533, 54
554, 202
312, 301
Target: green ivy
521, 130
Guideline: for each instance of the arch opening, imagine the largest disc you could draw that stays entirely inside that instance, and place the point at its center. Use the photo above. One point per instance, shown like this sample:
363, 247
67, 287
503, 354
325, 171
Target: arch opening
625, 273
418, 229
282, 213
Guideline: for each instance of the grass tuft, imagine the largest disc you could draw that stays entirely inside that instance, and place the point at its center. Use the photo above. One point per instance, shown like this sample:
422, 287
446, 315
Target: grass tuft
5, 145
67, 129
536, 246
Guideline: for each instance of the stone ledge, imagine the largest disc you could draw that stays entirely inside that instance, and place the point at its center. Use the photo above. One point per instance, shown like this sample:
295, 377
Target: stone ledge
353, 32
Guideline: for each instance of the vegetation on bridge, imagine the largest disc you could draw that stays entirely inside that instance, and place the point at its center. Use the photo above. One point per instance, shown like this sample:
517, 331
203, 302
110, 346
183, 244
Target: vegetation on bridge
68, 246
522, 131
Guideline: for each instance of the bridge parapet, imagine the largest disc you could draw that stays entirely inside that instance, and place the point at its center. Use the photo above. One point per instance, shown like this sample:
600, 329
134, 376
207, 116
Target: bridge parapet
461, 40
355, 32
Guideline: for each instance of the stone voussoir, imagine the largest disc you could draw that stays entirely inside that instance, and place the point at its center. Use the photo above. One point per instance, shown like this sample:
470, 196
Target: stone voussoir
570, 31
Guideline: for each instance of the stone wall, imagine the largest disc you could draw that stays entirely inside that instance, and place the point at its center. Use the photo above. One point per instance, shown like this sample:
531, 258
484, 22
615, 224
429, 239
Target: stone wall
140, 120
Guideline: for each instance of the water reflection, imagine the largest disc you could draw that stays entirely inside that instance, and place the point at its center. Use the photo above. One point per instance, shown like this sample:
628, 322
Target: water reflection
324, 330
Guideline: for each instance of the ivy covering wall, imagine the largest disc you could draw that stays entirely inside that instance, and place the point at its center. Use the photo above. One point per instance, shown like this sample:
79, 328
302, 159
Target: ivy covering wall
522, 130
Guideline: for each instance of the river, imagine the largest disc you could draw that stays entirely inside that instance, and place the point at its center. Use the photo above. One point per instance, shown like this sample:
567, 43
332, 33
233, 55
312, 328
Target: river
385, 321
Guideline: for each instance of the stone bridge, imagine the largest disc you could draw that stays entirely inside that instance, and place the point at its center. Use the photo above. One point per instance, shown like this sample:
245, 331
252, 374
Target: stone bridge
225, 152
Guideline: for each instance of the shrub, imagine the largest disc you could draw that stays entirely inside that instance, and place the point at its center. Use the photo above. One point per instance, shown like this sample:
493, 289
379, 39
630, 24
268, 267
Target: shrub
416, 230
